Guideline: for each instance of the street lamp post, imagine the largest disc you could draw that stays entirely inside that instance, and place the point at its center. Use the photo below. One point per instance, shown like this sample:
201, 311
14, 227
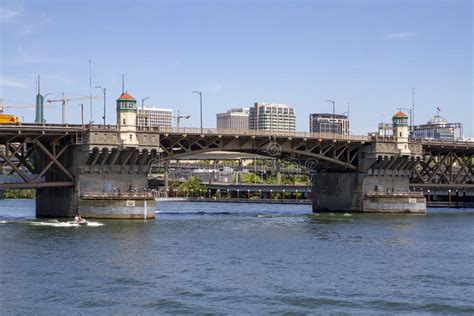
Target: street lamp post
42, 110
143, 111
333, 114
200, 105
104, 91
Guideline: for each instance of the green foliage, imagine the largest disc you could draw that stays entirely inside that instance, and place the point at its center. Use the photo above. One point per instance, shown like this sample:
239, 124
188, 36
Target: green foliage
19, 194
301, 179
251, 177
192, 187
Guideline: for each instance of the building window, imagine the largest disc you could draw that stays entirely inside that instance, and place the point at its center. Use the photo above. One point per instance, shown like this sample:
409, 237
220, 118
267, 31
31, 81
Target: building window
131, 136
123, 122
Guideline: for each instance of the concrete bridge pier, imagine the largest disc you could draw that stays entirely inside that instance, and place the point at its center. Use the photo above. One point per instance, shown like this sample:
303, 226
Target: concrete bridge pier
102, 179
337, 192
359, 192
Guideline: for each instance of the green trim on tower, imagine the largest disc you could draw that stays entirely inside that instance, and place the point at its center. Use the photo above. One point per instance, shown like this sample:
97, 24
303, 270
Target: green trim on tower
400, 121
128, 110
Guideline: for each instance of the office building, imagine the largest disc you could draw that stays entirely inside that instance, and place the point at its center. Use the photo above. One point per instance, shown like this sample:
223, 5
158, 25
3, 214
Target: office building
272, 117
237, 119
154, 117
329, 123
438, 128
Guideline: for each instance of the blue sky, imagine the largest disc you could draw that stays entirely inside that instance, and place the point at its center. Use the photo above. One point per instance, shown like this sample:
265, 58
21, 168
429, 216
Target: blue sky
368, 53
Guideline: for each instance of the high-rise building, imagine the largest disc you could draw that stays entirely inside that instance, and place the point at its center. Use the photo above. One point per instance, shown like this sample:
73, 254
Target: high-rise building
154, 117
237, 118
329, 123
272, 117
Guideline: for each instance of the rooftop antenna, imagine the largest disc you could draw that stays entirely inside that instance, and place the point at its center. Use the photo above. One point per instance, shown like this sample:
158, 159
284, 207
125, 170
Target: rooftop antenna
90, 90
413, 108
123, 83
38, 86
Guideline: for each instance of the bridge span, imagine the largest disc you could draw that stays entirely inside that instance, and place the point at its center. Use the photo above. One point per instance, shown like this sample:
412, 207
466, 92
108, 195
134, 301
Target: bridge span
67, 164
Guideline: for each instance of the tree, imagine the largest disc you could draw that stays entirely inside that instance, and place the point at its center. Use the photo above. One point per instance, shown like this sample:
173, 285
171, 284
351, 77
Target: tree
193, 186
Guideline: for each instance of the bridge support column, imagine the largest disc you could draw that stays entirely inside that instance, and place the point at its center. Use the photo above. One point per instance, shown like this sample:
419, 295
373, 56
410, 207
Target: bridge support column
166, 179
337, 192
56, 202
359, 192
278, 171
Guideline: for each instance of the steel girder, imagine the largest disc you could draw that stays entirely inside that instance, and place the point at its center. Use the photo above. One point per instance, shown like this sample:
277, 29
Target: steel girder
37, 159
314, 154
449, 168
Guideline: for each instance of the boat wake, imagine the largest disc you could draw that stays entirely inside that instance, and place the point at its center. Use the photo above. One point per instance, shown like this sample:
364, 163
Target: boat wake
53, 223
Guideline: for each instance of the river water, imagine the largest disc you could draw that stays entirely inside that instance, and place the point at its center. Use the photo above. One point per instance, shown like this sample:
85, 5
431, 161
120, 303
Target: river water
219, 258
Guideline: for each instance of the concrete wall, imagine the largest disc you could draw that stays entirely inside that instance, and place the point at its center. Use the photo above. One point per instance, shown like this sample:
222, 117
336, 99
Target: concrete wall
347, 192
117, 209
386, 184
106, 182
394, 204
337, 192
56, 202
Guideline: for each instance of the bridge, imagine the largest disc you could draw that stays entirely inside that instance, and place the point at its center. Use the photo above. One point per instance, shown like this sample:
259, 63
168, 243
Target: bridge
69, 164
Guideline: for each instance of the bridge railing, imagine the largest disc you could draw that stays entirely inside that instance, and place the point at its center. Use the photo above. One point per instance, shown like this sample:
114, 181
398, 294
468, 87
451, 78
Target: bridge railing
249, 132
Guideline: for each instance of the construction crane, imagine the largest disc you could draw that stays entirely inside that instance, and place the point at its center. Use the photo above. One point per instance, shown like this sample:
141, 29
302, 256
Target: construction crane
64, 101
179, 117
13, 105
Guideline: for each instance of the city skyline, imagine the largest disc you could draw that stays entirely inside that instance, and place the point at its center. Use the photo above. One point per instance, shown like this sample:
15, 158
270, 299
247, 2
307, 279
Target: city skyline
366, 53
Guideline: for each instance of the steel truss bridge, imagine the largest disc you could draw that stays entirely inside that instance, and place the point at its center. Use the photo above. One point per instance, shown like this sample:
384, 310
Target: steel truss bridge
41, 154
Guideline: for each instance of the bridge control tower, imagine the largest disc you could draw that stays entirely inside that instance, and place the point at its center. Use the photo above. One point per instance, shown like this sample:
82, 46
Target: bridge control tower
127, 119
400, 132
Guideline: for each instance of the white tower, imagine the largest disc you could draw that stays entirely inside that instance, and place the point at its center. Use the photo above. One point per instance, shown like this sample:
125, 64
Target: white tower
400, 132
127, 119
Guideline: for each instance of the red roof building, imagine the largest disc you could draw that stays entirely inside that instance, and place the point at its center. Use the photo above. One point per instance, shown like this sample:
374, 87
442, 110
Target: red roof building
126, 96
400, 114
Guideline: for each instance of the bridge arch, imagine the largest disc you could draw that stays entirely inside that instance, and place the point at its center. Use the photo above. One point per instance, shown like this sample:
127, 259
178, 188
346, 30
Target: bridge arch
328, 154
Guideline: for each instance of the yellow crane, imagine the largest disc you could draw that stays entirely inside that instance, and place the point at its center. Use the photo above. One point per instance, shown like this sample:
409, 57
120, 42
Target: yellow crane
64, 101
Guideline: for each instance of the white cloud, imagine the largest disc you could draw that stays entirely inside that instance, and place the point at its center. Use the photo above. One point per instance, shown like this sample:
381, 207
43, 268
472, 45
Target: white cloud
11, 83
8, 15
215, 88
401, 35
26, 58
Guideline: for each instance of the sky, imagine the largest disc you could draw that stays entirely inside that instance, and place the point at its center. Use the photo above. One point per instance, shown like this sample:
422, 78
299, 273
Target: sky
370, 54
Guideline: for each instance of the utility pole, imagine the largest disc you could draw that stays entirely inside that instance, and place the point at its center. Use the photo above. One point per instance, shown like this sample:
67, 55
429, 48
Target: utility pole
82, 114
413, 108
179, 117
200, 105
333, 114
143, 112
90, 91
105, 94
